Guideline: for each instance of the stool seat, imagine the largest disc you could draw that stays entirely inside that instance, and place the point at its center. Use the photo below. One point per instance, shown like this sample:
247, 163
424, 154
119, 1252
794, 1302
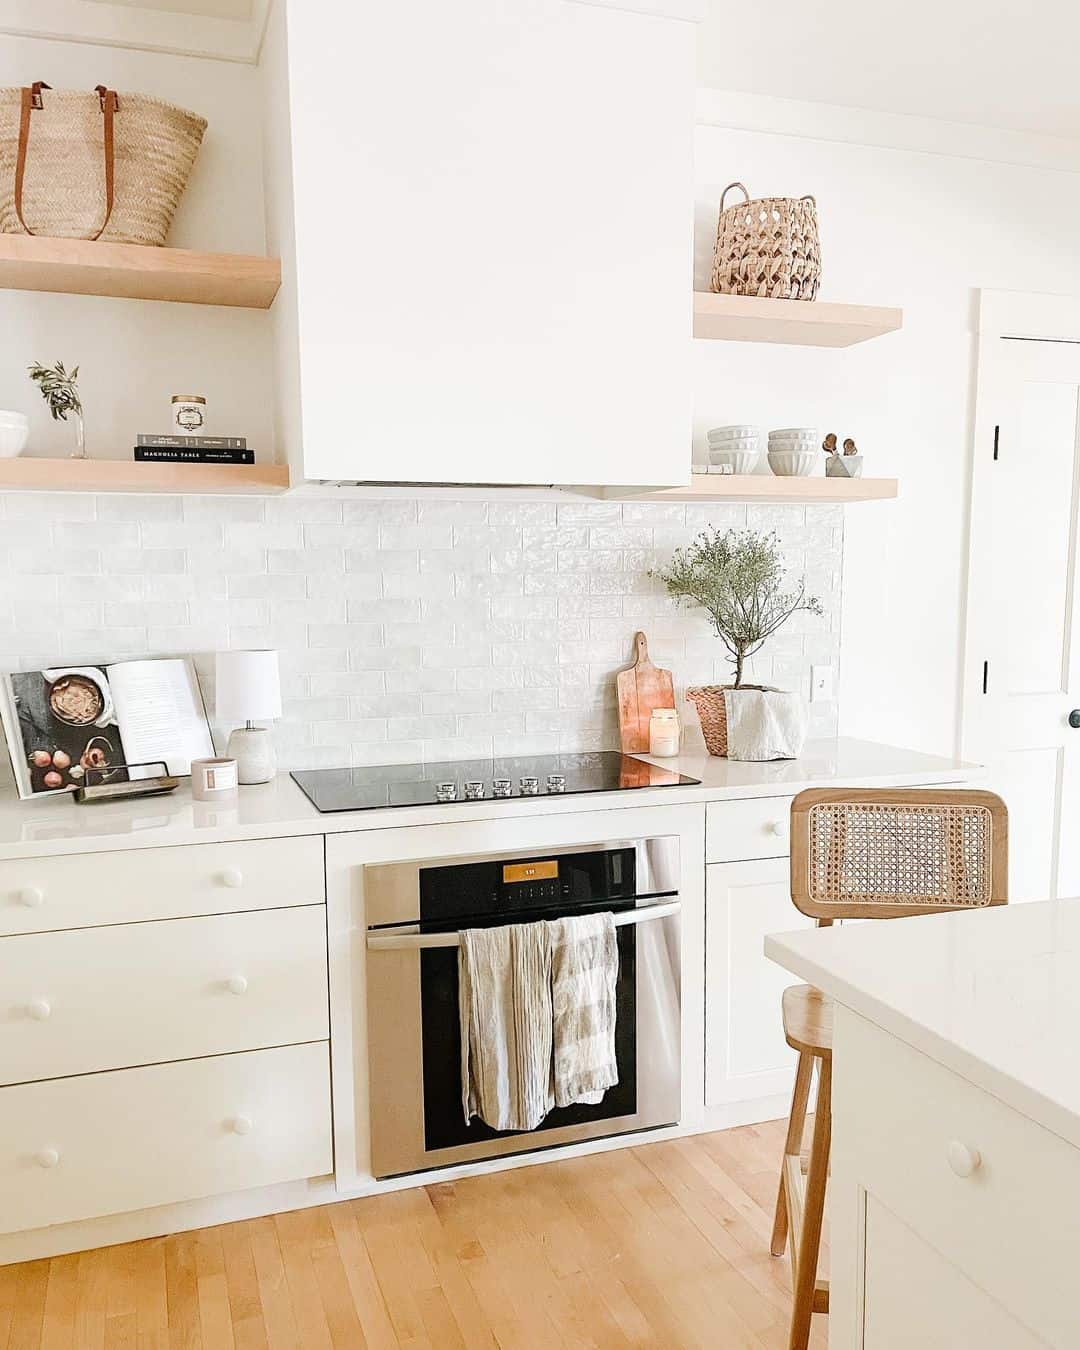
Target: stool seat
808, 1020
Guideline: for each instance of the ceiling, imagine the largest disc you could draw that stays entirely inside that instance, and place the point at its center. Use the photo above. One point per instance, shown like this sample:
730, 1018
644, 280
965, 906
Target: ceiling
213, 9
989, 62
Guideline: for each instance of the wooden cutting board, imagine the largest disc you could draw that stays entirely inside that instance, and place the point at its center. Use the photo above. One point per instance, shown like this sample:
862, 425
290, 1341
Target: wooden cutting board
641, 688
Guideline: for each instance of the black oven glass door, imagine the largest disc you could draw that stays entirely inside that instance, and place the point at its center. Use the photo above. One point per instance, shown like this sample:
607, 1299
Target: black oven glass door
444, 1115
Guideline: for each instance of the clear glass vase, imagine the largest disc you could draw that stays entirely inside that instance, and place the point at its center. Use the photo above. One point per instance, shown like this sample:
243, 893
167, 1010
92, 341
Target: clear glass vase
80, 438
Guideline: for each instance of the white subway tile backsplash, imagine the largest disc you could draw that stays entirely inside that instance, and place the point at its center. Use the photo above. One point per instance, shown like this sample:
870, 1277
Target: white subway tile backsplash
321, 561
408, 628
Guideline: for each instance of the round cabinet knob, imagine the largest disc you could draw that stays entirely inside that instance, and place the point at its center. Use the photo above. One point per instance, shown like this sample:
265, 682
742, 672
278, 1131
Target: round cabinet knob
962, 1159
237, 984
242, 1125
1074, 719
48, 1157
777, 827
232, 876
32, 897
40, 1009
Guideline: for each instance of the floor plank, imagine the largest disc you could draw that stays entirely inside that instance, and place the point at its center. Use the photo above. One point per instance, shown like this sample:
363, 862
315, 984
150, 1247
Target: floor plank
665, 1245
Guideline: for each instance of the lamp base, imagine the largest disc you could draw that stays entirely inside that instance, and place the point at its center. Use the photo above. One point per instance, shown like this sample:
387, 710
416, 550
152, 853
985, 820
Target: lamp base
253, 750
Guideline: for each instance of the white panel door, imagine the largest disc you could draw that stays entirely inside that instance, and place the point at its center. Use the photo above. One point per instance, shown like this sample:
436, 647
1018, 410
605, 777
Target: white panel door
493, 204
746, 1055
1022, 666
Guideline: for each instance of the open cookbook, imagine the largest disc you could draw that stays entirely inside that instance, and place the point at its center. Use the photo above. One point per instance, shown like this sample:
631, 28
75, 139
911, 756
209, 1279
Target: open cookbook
68, 720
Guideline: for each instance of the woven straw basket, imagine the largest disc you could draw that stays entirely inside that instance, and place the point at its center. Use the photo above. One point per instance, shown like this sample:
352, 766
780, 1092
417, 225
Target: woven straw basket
96, 165
767, 246
709, 702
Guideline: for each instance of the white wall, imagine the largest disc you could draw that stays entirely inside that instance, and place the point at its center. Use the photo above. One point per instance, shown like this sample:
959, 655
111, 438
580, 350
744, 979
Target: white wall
135, 354
921, 230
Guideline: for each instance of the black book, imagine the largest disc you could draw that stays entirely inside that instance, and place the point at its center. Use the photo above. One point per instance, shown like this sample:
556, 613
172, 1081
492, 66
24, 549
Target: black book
187, 455
193, 442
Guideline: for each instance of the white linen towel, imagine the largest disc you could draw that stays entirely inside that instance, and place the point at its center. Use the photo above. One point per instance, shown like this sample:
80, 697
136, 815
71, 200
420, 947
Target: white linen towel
764, 724
504, 1003
584, 973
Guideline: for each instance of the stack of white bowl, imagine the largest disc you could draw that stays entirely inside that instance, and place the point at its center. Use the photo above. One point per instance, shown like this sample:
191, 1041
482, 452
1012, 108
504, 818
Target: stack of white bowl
14, 433
734, 449
794, 451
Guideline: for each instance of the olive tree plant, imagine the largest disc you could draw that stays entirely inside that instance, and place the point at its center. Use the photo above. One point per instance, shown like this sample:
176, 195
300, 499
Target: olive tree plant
737, 577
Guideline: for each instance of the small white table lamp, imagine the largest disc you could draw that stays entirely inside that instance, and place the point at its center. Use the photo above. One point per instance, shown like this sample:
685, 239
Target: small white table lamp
249, 690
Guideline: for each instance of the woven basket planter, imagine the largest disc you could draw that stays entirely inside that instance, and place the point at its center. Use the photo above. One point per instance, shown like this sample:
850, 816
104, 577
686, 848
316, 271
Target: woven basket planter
709, 702
708, 699
767, 246
98, 165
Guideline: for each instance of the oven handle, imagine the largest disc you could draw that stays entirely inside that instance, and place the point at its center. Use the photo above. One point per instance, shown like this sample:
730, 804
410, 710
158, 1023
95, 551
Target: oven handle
384, 942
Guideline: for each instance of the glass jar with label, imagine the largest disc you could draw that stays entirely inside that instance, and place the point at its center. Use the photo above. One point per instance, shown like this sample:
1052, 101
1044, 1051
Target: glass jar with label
188, 415
664, 732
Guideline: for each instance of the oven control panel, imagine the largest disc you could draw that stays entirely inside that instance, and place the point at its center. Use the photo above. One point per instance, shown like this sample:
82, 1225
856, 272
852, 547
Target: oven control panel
512, 886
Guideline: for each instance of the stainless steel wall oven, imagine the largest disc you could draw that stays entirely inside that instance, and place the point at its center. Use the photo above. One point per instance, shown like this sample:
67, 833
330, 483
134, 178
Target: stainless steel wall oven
414, 912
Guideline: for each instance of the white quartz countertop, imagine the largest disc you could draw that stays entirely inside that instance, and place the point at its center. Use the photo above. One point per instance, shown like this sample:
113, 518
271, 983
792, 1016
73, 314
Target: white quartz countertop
992, 994
59, 825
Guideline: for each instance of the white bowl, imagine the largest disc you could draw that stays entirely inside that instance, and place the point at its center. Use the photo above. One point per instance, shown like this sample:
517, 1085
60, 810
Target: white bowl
795, 445
793, 463
738, 457
800, 432
739, 443
13, 439
737, 432
13, 418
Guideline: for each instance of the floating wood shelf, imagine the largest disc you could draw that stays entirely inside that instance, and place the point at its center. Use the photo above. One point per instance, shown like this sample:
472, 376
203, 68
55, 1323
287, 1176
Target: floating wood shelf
803, 323
760, 487
137, 272
121, 475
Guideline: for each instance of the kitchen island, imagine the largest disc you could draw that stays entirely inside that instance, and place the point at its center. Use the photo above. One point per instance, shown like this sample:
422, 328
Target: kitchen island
955, 1179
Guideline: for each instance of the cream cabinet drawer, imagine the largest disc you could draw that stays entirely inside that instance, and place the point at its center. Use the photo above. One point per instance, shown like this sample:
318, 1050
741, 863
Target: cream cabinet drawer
88, 999
82, 1147
995, 1193
83, 889
758, 827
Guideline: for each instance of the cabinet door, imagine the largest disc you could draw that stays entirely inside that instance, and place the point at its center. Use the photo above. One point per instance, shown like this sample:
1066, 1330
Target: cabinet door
492, 219
746, 1055
914, 1296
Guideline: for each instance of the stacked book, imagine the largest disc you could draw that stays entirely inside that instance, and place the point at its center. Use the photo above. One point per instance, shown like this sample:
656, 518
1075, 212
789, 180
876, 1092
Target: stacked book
194, 449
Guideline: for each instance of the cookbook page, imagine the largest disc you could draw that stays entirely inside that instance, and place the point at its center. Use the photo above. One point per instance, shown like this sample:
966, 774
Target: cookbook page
60, 725
160, 714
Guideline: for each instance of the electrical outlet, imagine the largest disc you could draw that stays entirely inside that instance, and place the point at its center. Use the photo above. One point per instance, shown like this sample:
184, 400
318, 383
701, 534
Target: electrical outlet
822, 684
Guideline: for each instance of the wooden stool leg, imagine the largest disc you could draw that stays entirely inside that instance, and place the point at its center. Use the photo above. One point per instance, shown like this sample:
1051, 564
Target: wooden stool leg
810, 1237
793, 1144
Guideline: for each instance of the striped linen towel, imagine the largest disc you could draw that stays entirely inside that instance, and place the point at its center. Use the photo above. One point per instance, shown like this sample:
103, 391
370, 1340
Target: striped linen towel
584, 973
537, 1009
504, 1002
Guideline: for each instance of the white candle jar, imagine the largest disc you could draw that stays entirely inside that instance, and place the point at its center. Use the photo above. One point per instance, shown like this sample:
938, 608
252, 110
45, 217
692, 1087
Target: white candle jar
188, 414
664, 733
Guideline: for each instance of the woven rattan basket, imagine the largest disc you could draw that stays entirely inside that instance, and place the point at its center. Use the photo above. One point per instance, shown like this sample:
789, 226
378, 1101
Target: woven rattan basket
767, 246
709, 702
98, 165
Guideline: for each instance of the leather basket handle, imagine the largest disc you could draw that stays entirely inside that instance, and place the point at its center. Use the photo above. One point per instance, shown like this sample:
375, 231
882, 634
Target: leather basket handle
31, 99
742, 189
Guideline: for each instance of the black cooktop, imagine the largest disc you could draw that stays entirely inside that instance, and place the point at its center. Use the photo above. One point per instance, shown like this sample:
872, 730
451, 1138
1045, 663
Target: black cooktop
383, 785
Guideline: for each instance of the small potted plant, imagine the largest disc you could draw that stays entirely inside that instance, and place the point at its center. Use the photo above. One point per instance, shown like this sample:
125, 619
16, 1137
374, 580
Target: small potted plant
60, 390
738, 579
837, 465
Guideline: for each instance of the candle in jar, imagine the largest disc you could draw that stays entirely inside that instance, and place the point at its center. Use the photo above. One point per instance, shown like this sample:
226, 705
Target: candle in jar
664, 732
188, 414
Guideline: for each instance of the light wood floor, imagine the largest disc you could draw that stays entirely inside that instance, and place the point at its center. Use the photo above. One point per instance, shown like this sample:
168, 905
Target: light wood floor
666, 1245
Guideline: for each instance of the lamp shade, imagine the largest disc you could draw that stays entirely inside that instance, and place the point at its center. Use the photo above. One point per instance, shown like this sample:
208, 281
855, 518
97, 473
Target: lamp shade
247, 686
